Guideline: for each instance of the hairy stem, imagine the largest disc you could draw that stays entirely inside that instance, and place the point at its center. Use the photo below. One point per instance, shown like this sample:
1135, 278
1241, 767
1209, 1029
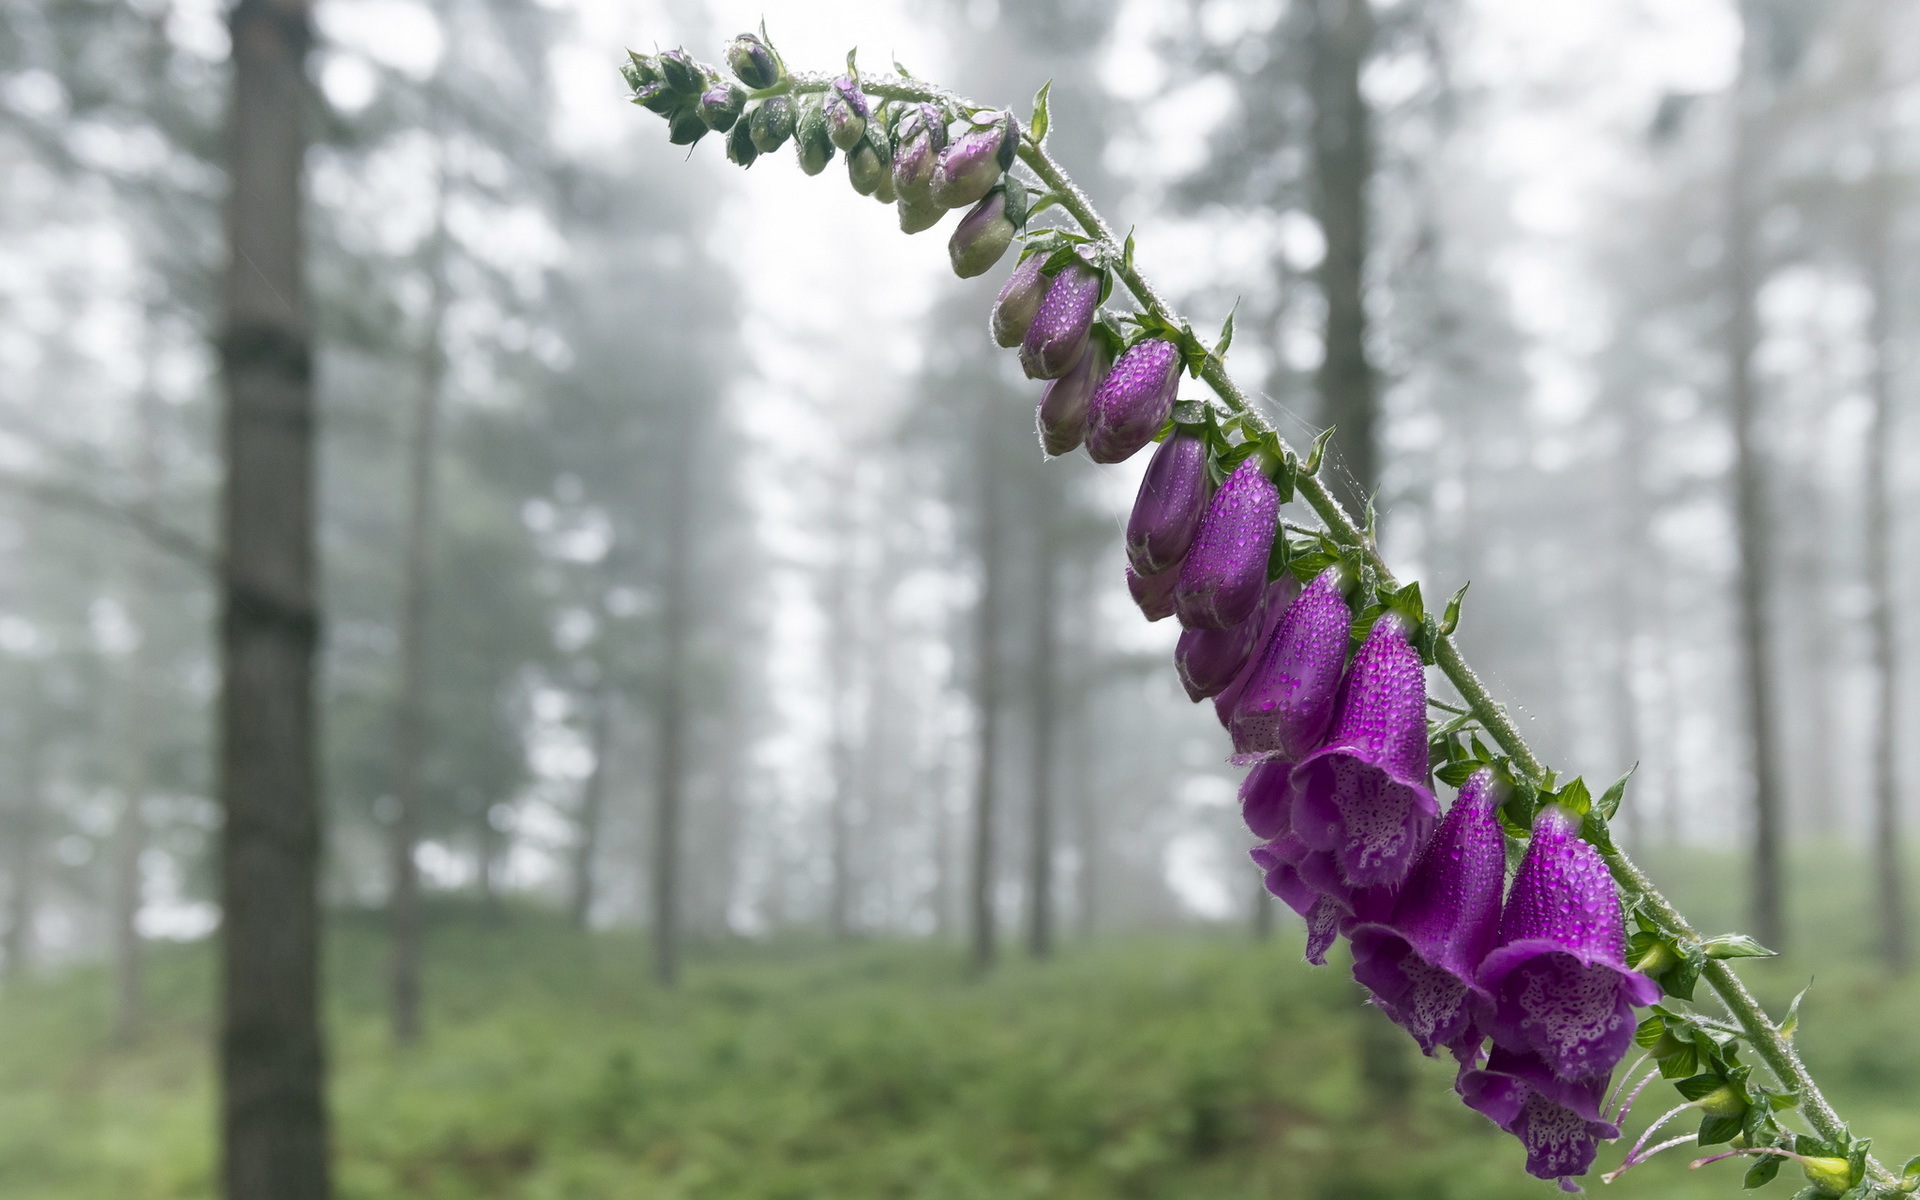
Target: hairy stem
1768, 1041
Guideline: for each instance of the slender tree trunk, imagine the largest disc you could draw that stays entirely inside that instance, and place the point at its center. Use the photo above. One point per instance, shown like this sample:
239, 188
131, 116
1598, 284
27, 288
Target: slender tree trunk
986, 701
593, 801
23, 856
410, 716
840, 683
1896, 949
1342, 140
1040, 915
1750, 499
273, 1112
1624, 588
670, 786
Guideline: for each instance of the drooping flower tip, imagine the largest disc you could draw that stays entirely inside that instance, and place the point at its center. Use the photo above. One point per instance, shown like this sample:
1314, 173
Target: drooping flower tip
1061, 417
847, 113
1225, 573
1134, 402
975, 161
753, 62
1057, 335
983, 235
1560, 985
1019, 300
1166, 511
1287, 703
721, 105
1153, 593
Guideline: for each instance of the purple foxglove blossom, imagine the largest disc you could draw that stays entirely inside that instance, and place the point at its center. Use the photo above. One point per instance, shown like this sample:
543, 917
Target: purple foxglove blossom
1018, 301
1420, 963
847, 114
1225, 573
1153, 593
1057, 336
976, 160
1287, 702
1263, 799
1062, 414
1308, 882
1558, 1121
1166, 512
721, 105
1364, 796
921, 135
754, 63
1134, 402
1210, 659
1560, 985
981, 238
1281, 594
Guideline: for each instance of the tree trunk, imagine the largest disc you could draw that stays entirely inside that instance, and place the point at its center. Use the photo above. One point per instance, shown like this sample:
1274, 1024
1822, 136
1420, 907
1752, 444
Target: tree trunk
1750, 500
1896, 950
593, 802
410, 716
840, 683
1342, 32
23, 856
986, 700
1040, 920
273, 1114
670, 784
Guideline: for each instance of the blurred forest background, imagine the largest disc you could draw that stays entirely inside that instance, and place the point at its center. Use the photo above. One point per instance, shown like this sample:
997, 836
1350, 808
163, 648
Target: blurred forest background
704, 641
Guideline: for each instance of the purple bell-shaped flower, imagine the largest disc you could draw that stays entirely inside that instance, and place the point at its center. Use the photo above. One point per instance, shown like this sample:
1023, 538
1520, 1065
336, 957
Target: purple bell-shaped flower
1225, 573
1057, 336
1421, 963
1560, 986
1019, 300
1281, 594
1263, 799
1287, 702
1062, 415
1308, 882
1153, 593
1166, 512
1133, 403
970, 167
1210, 659
1363, 796
1557, 1120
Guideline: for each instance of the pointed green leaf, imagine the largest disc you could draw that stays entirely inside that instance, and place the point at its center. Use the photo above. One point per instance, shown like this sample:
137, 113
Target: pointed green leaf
1735, 945
1226, 332
1450, 621
901, 71
1714, 1130
1791, 1021
1318, 452
1910, 1174
1764, 1168
1038, 122
853, 66
1610, 799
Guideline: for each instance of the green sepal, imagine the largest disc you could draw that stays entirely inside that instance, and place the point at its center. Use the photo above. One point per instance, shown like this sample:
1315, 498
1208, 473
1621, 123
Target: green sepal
900, 70
1735, 945
1038, 122
1714, 1130
1226, 330
1910, 1174
1279, 557
1450, 621
1308, 567
1455, 774
1791, 1022
1574, 797
1763, 1170
1318, 452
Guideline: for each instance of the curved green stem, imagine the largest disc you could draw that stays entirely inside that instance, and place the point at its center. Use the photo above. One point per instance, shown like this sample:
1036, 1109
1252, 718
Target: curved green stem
1773, 1046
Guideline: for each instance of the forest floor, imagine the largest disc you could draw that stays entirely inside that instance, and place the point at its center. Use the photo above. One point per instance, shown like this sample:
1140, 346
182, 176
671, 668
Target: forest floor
1195, 1066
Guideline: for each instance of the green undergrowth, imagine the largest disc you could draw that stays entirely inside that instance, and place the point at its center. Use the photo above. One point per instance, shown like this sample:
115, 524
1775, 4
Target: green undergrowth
1192, 1067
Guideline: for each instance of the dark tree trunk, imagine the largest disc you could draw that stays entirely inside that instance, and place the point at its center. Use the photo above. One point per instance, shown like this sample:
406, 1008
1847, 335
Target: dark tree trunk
1896, 949
1750, 499
670, 786
593, 802
986, 701
130, 831
1342, 32
273, 1114
23, 856
1040, 916
410, 716
840, 684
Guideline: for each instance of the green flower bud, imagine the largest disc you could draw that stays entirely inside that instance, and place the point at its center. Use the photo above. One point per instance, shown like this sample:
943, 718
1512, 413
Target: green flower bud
680, 72
657, 98
740, 148
685, 127
754, 62
720, 106
810, 140
870, 162
642, 67
772, 124
1831, 1175
847, 113
984, 234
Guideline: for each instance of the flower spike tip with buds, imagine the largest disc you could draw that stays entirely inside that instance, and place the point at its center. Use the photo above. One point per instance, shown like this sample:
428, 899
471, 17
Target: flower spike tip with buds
1225, 572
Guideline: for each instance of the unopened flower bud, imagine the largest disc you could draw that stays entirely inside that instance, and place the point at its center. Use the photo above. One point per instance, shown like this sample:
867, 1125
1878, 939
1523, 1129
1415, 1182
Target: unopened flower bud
641, 69
657, 98
1062, 415
1173, 494
810, 140
847, 114
1209, 659
1019, 300
740, 148
974, 163
720, 106
870, 162
1057, 336
772, 124
680, 72
920, 136
685, 127
754, 62
1134, 401
1153, 593
1225, 573
1830, 1176
983, 235
634, 77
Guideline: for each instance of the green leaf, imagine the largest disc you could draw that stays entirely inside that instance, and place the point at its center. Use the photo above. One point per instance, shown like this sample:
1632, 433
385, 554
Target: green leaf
1278, 557
1226, 332
1764, 1168
1041, 203
1038, 122
1648, 1033
1791, 1021
1910, 1174
1735, 945
1574, 797
853, 67
1450, 621
901, 71
1682, 1062
1610, 799
1126, 253
1696, 1086
1454, 774
1307, 567
1318, 451
1714, 1130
